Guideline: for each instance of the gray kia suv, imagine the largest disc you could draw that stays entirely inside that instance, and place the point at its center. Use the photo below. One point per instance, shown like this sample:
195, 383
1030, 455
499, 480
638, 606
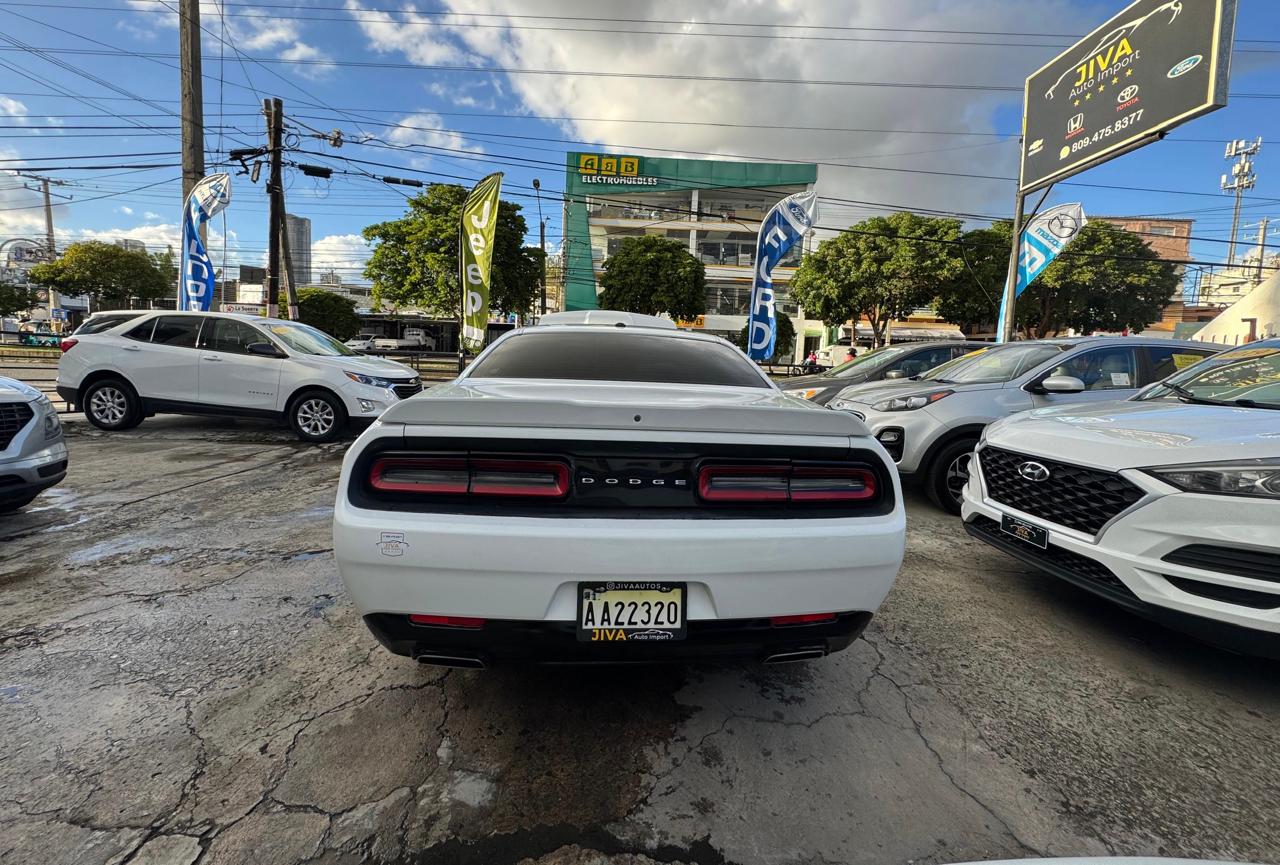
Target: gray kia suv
931, 425
903, 360
33, 456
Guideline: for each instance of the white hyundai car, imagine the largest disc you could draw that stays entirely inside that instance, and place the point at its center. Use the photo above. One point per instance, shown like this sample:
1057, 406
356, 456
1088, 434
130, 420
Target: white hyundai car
1167, 504
605, 488
121, 367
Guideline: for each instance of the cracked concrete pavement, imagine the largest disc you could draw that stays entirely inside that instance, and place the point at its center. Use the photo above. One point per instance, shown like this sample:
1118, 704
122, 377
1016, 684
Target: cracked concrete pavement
182, 681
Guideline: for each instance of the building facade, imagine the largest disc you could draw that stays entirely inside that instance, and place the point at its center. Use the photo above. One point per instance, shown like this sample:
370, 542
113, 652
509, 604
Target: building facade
714, 207
1170, 239
298, 230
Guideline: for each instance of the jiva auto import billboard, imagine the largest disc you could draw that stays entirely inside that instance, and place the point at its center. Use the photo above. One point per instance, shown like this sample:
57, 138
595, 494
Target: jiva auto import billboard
1155, 65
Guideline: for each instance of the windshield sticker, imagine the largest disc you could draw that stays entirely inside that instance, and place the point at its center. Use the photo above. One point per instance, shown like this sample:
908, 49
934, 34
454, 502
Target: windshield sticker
1182, 361
1120, 379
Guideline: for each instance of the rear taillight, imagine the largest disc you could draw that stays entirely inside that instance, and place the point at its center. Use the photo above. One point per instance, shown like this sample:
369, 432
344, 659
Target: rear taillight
817, 484
461, 476
67, 344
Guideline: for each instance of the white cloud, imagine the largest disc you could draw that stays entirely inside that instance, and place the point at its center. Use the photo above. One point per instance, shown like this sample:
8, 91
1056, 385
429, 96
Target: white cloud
127, 211
780, 105
430, 130
345, 253
150, 215
12, 108
158, 238
21, 209
312, 70
421, 38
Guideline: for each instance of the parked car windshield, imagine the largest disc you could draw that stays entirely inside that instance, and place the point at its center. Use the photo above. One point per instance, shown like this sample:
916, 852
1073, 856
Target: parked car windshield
307, 340
1247, 376
943, 370
865, 361
617, 357
995, 364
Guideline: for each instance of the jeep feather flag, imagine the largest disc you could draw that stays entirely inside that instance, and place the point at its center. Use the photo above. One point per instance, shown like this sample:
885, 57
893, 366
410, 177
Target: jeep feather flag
1042, 240
783, 227
479, 217
207, 199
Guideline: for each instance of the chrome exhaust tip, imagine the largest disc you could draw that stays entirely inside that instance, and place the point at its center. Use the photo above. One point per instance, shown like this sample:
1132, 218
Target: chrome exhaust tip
465, 662
806, 653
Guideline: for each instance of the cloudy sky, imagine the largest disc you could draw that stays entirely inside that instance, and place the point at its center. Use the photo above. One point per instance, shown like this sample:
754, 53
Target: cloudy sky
94, 83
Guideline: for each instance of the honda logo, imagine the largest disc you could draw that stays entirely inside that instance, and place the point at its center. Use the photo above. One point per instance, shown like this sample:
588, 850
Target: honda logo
1034, 471
1075, 124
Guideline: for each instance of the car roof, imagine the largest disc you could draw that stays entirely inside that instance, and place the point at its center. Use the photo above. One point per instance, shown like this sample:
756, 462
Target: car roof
617, 331
605, 318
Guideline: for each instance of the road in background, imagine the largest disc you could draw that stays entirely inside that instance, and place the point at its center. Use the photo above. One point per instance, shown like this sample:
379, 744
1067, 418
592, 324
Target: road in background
183, 680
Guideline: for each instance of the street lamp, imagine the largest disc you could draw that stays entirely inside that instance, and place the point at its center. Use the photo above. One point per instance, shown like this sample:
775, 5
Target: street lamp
542, 244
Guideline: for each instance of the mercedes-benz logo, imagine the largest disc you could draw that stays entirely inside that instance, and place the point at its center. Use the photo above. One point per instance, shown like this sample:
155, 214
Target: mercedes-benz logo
1034, 471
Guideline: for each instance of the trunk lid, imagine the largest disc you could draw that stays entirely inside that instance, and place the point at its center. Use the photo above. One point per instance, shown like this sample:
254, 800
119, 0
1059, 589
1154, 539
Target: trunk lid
620, 406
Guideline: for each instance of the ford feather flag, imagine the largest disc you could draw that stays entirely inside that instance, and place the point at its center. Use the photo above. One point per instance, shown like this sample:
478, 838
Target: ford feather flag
207, 198
783, 227
1042, 240
475, 255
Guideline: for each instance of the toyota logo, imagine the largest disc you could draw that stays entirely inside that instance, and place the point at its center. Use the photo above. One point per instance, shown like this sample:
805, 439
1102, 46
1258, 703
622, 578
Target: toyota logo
1034, 471
1127, 93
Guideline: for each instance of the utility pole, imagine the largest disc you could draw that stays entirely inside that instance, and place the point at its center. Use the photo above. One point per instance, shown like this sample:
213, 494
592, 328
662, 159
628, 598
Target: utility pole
1262, 248
274, 111
542, 244
1242, 178
192, 96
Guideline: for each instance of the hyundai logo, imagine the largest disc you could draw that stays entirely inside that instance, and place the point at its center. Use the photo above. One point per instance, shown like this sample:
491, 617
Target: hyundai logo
1034, 471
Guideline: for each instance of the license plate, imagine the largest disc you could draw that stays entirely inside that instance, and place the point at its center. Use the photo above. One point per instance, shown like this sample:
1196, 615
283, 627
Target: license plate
631, 611
1024, 531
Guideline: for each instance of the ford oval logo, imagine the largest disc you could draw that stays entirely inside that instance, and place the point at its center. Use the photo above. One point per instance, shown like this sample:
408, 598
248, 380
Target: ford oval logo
1034, 471
1182, 67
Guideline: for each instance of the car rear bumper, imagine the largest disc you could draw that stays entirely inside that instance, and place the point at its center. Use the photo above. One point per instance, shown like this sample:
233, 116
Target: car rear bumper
528, 569
1128, 562
512, 642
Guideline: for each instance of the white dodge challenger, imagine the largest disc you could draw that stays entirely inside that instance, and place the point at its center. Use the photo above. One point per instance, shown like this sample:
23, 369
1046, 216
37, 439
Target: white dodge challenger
605, 488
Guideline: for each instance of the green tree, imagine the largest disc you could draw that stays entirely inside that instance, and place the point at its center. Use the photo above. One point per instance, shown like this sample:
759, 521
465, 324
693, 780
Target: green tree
16, 298
881, 269
971, 297
110, 275
1106, 279
415, 257
653, 275
332, 313
783, 346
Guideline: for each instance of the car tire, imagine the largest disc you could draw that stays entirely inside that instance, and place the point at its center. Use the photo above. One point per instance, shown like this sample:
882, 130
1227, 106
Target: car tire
112, 405
949, 473
12, 505
317, 416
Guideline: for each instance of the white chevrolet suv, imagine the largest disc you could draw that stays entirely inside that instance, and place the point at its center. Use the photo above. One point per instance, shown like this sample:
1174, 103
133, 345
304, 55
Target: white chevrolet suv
1167, 504
224, 364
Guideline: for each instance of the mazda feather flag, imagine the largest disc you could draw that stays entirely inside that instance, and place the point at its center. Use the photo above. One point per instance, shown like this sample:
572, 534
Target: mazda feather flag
1042, 240
783, 227
479, 218
208, 198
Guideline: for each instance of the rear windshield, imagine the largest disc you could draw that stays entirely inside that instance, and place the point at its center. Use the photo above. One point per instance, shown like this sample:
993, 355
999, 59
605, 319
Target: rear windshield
99, 323
617, 357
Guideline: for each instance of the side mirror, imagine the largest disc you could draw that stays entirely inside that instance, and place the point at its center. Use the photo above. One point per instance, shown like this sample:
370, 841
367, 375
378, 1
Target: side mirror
265, 349
1062, 384
895, 373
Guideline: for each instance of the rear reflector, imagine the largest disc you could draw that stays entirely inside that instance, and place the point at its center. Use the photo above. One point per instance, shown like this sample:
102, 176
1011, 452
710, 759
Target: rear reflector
802, 619
785, 483
461, 476
67, 344
447, 621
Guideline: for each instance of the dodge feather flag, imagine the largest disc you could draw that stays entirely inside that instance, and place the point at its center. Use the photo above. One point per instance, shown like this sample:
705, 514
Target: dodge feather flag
1042, 240
783, 227
479, 218
207, 198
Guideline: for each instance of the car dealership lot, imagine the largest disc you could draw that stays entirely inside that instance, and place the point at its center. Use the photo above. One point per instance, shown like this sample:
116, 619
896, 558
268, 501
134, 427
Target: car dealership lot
182, 679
